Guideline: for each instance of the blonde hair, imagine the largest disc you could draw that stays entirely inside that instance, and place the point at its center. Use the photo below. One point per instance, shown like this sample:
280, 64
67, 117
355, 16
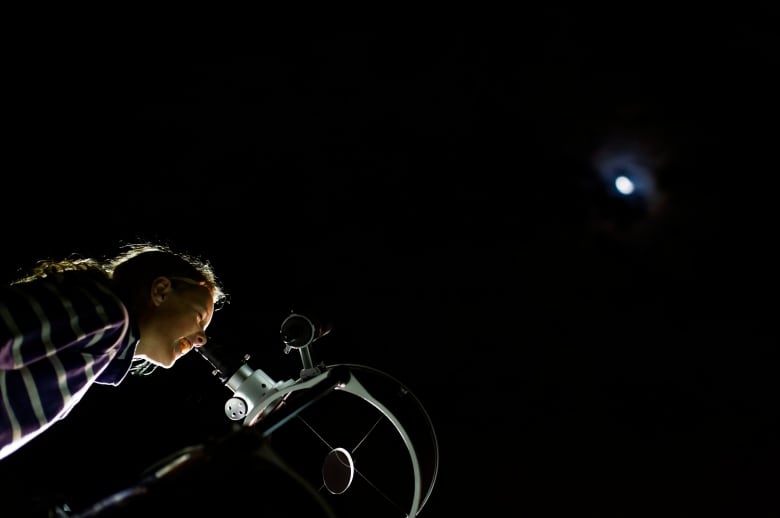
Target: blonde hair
137, 263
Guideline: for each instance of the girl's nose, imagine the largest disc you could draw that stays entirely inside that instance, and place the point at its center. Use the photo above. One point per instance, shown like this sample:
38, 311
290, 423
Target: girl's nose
200, 340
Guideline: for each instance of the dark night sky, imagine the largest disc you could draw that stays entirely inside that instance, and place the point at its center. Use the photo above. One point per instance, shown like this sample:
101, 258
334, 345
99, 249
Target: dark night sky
439, 197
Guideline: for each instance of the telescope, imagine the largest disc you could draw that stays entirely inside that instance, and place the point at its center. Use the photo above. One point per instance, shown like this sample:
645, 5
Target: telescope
349, 439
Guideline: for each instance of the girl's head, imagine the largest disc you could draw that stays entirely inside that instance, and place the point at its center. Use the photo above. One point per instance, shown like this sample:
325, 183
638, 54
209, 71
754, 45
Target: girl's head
140, 264
170, 296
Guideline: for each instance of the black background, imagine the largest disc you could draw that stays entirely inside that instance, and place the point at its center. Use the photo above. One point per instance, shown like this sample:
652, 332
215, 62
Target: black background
432, 193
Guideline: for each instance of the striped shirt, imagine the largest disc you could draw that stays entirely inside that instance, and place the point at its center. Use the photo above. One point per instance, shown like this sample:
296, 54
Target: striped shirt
58, 336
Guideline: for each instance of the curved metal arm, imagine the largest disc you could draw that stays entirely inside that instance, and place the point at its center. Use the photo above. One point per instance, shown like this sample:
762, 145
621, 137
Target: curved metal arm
353, 386
334, 378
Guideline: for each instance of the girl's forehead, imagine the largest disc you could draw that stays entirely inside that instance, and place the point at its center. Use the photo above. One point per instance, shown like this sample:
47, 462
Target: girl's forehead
189, 280
204, 295
211, 292
204, 287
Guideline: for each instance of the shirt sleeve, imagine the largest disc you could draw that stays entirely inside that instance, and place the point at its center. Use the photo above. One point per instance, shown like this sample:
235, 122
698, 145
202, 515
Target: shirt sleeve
57, 336
44, 318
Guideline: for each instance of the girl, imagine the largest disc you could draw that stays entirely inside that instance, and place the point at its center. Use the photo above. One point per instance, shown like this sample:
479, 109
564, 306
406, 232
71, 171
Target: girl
73, 323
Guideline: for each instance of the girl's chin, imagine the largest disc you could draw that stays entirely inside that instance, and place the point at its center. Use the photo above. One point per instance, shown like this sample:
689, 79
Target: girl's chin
162, 362
164, 365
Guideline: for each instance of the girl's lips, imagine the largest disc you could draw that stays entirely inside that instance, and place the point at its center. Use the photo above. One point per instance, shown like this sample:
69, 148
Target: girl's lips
184, 346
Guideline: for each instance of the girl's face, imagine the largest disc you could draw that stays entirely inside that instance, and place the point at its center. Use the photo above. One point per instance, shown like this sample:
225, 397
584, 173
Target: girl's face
178, 312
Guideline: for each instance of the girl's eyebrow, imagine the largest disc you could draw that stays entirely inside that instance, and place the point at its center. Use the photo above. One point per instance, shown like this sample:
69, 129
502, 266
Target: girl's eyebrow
190, 281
